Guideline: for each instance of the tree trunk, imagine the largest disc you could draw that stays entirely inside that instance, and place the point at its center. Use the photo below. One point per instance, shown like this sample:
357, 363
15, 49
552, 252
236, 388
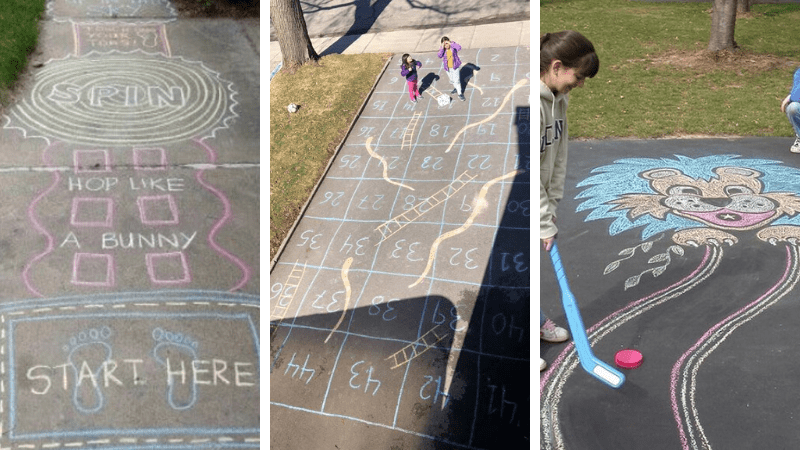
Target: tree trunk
743, 6
723, 20
290, 27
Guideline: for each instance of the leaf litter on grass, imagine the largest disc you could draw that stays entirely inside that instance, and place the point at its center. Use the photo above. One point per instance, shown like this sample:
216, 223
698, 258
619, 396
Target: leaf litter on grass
739, 61
329, 93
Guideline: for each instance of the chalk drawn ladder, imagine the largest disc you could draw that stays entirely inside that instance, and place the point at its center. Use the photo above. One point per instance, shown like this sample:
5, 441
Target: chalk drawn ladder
412, 347
281, 307
403, 219
408, 134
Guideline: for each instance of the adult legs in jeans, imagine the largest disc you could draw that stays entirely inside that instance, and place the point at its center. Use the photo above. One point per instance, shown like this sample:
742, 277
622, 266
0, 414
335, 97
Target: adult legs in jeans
455, 78
793, 113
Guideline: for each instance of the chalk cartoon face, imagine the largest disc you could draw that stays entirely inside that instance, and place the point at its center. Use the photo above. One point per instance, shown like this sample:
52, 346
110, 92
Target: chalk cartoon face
732, 201
699, 201
707, 201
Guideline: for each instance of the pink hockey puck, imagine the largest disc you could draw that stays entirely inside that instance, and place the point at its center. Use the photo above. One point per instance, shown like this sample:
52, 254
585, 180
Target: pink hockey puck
628, 359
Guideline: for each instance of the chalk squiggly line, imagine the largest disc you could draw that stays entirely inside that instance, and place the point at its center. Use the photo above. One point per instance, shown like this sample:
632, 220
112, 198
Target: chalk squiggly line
385, 166
467, 224
346, 281
38, 226
712, 339
519, 84
225, 216
470, 83
567, 361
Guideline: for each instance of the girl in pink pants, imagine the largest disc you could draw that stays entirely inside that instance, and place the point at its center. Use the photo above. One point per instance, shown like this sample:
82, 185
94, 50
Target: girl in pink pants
408, 69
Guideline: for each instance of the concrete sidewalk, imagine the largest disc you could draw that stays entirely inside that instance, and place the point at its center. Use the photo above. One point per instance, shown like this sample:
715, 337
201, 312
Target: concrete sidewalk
509, 34
436, 336
130, 173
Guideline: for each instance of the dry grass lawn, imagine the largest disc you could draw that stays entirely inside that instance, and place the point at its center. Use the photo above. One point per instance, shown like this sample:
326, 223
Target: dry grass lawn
329, 94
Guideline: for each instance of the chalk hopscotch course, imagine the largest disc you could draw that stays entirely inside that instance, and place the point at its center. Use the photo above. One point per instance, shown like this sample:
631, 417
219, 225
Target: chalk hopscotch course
141, 328
401, 299
713, 338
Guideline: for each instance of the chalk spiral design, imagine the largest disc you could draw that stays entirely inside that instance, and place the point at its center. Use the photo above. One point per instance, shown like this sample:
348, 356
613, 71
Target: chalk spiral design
125, 99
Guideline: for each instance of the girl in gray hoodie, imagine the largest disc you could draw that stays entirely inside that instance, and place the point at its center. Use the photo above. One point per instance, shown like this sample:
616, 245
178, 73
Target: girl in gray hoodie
567, 58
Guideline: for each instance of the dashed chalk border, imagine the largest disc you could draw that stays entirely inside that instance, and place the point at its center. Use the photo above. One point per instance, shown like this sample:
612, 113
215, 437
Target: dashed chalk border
117, 302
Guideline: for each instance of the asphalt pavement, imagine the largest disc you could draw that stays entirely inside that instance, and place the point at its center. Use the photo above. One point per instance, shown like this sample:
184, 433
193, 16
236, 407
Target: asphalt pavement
130, 171
684, 250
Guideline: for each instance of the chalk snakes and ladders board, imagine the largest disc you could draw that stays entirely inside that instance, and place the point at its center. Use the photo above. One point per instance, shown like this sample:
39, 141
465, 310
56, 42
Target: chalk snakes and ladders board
401, 299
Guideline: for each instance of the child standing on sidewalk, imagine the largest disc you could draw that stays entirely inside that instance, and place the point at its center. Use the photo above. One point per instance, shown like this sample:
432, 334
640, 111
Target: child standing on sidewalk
791, 107
452, 64
408, 69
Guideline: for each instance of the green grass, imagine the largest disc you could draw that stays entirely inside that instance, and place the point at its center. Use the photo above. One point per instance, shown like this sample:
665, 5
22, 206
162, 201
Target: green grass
329, 95
19, 22
633, 96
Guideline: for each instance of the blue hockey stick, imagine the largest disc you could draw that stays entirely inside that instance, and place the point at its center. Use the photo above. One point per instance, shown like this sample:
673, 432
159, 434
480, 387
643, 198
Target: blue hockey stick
590, 363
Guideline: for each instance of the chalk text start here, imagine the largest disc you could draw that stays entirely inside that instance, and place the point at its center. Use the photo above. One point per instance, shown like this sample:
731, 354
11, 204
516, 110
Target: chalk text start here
45, 379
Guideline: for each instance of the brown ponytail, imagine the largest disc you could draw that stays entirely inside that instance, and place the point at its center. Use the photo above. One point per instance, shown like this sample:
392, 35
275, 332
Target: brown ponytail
545, 37
572, 49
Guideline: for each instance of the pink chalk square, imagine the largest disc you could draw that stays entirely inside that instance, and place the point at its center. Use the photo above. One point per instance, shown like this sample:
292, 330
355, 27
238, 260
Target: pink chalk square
158, 210
149, 159
92, 212
168, 268
92, 269
91, 161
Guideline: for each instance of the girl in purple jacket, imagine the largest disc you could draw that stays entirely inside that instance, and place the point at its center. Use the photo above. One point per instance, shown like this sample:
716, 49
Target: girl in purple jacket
451, 64
408, 69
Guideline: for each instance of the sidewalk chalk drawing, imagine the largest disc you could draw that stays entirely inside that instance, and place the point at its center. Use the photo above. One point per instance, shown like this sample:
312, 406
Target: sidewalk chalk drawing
68, 10
168, 354
89, 345
708, 204
185, 344
120, 36
162, 231
157, 348
435, 196
146, 99
480, 205
115, 109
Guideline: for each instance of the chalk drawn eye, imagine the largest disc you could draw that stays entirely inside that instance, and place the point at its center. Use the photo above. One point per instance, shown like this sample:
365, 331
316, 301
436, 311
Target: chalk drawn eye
683, 190
737, 190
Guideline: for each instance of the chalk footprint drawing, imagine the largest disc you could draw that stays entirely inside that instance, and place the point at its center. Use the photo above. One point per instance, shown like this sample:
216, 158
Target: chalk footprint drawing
707, 204
169, 351
89, 353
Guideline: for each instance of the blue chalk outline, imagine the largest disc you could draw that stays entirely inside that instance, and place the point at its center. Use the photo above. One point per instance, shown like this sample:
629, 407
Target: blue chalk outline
277, 68
126, 297
375, 424
157, 297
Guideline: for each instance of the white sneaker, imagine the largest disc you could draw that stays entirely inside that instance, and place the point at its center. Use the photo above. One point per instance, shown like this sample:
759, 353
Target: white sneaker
551, 333
542, 364
795, 148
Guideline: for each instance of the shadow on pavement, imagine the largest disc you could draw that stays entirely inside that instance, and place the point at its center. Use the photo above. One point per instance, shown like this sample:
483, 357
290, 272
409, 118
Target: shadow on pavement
497, 362
365, 16
427, 81
418, 371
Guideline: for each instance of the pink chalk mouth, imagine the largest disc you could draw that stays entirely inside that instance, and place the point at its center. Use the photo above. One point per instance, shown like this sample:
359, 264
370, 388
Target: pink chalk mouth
727, 218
